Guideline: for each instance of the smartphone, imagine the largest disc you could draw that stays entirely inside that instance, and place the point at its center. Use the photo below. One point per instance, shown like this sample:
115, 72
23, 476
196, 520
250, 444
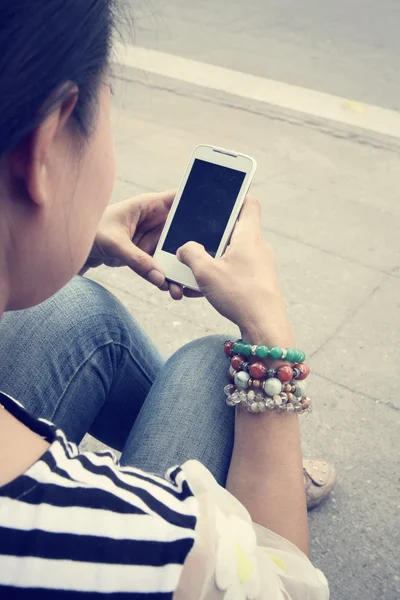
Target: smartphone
205, 209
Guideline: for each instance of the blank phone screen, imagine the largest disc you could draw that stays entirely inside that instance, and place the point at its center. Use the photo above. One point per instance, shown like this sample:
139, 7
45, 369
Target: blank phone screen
205, 207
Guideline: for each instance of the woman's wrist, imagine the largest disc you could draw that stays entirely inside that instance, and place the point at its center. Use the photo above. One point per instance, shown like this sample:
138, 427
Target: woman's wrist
269, 326
247, 426
278, 333
269, 334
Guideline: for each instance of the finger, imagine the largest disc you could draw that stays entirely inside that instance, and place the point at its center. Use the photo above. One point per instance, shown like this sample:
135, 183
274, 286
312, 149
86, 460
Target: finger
167, 196
165, 286
148, 242
161, 200
154, 208
194, 256
175, 291
249, 218
188, 293
140, 262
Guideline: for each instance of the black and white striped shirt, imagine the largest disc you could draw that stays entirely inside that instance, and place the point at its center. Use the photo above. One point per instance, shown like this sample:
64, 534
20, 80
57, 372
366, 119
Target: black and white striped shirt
77, 526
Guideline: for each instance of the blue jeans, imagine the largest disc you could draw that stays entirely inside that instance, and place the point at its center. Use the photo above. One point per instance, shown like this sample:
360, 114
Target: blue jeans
81, 361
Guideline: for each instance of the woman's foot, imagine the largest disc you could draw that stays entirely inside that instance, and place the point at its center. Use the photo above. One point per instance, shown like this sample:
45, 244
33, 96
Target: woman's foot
319, 481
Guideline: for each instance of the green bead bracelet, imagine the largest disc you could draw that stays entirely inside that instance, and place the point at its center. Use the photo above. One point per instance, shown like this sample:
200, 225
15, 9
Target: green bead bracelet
294, 356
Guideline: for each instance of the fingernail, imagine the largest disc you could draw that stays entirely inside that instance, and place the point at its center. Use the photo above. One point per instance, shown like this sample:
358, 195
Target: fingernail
156, 278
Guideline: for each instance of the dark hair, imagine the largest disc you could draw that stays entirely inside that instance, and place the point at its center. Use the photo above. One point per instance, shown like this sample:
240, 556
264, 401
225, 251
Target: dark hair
43, 45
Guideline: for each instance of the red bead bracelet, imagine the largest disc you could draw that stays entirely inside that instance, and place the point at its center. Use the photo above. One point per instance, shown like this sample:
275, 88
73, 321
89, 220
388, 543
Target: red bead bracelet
258, 370
228, 348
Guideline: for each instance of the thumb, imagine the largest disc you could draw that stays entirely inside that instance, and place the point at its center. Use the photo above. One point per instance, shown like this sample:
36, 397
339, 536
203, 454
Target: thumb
141, 263
194, 256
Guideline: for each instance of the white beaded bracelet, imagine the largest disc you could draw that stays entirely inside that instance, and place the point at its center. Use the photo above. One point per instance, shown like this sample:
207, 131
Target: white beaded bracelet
258, 402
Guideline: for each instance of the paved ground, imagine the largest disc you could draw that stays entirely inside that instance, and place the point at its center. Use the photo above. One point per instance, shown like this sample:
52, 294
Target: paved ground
350, 48
331, 209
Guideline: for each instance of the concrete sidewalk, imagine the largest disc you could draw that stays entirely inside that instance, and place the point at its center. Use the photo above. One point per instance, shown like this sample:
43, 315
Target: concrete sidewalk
331, 209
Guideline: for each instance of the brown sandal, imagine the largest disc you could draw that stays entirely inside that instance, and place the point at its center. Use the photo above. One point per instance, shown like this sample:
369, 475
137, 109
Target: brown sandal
319, 480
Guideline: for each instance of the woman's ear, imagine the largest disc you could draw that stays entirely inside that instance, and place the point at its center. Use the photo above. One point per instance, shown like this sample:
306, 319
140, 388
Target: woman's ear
30, 161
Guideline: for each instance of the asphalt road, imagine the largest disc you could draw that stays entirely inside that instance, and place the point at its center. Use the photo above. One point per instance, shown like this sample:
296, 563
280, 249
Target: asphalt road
349, 48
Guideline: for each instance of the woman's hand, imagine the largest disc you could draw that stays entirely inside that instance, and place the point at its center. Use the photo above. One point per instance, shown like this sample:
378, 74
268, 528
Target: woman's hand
243, 285
128, 235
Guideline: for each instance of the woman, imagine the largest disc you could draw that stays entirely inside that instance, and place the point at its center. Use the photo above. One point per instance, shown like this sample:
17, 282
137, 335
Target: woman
75, 525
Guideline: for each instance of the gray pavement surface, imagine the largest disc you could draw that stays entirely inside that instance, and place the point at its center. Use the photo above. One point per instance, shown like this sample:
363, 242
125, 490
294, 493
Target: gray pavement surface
350, 48
331, 209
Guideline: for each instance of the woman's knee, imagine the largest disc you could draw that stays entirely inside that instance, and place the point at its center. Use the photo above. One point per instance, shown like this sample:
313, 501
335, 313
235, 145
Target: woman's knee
202, 360
210, 347
85, 309
79, 318
83, 299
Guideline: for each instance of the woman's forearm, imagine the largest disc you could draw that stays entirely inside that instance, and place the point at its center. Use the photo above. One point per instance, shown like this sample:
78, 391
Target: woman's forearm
266, 472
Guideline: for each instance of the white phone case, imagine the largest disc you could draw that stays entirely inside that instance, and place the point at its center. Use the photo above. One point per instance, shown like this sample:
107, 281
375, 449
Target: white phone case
173, 269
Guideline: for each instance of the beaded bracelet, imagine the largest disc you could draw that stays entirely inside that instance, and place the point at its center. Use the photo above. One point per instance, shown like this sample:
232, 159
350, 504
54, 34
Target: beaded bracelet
239, 347
258, 370
271, 387
257, 402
